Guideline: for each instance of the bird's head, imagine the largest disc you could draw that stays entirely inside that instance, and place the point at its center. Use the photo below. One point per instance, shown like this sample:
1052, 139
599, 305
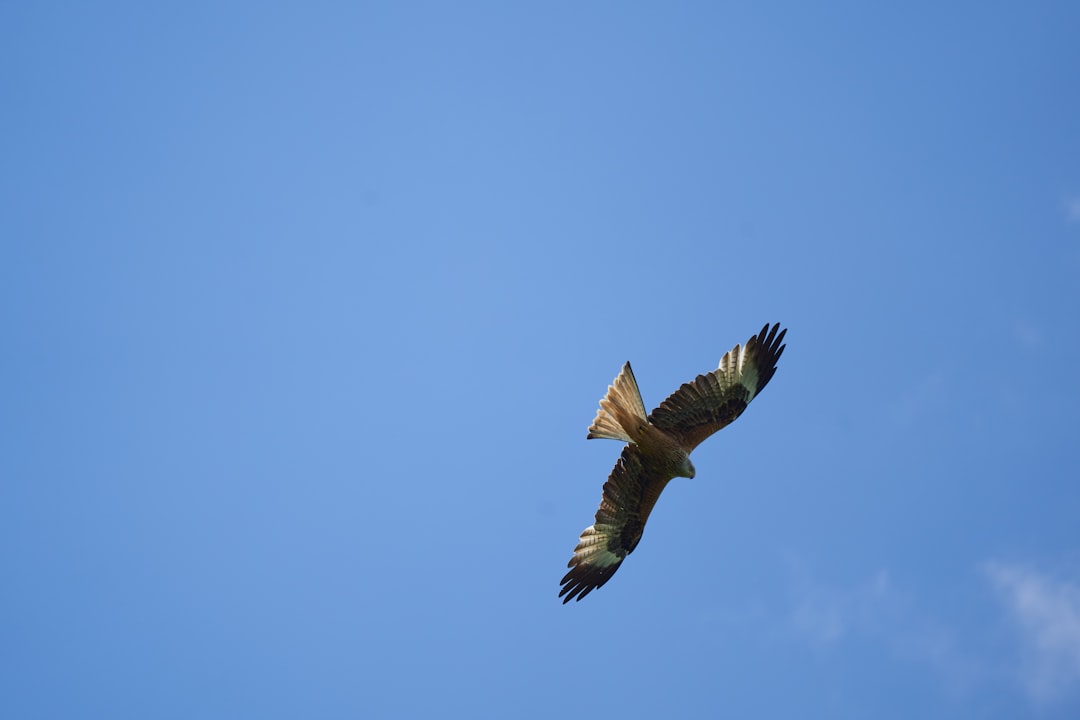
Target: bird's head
687, 469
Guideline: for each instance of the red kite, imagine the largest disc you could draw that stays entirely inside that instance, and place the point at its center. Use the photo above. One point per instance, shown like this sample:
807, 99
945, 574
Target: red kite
658, 449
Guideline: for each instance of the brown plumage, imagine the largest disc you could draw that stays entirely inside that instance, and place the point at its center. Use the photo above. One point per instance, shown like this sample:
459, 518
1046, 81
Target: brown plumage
658, 449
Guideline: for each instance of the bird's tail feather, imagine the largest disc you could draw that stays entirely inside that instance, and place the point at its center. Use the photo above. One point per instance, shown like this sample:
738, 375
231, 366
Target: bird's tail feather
621, 410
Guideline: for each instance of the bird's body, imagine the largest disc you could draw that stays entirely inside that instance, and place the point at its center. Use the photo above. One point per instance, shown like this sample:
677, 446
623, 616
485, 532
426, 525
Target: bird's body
658, 450
663, 454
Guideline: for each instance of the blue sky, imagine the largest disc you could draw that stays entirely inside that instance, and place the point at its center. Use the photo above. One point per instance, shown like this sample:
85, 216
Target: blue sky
306, 309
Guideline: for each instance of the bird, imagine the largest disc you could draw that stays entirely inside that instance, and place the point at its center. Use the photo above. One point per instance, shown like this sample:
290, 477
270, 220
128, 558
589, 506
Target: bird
658, 447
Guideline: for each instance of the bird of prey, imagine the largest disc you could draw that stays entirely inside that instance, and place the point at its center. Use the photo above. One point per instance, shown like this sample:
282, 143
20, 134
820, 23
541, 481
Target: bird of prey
658, 449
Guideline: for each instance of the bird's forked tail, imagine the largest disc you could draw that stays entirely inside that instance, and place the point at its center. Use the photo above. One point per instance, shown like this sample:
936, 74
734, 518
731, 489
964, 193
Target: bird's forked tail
621, 410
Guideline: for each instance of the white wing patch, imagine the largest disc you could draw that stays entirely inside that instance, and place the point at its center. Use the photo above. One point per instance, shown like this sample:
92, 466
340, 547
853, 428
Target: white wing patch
592, 549
734, 369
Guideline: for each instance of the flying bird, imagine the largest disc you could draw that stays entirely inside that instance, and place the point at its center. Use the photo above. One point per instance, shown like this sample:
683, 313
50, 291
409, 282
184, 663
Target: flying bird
658, 449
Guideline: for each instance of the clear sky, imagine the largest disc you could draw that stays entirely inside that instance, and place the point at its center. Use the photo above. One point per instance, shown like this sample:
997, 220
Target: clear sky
306, 309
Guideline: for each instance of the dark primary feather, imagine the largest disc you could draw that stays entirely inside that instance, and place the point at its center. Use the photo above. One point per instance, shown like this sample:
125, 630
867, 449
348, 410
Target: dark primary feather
711, 401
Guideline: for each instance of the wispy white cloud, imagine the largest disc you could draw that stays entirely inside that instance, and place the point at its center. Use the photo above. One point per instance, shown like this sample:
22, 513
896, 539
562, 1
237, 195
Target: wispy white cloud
966, 657
826, 615
876, 610
1047, 612
1072, 209
1027, 334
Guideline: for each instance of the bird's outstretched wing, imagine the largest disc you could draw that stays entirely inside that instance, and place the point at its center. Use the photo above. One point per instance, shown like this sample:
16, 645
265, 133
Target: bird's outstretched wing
630, 493
699, 408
